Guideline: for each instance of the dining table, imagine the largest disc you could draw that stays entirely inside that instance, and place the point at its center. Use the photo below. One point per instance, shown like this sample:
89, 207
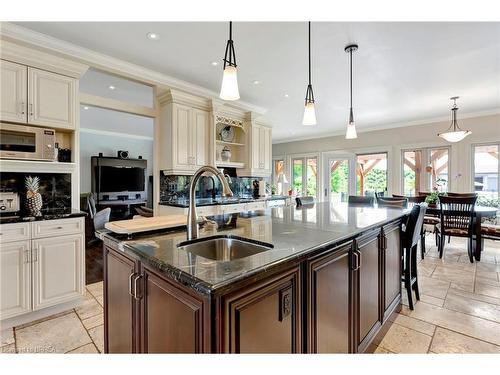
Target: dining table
479, 213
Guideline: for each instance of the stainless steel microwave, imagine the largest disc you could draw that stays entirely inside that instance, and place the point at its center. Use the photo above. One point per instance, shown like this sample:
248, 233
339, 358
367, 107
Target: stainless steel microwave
26, 142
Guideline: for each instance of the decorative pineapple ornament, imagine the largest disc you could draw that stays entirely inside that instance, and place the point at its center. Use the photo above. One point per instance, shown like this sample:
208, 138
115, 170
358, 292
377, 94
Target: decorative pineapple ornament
33, 197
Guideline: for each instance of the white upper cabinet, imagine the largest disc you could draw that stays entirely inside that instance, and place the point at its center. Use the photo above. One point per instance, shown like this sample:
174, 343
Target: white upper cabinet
51, 99
37, 97
185, 137
14, 92
260, 152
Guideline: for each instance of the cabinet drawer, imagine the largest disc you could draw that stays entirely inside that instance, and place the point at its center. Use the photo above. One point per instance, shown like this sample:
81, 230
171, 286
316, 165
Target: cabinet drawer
256, 206
232, 208
60, 227
207, 210
14, 232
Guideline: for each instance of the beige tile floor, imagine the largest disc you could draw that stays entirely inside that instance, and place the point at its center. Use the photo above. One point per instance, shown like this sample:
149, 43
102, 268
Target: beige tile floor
459, 312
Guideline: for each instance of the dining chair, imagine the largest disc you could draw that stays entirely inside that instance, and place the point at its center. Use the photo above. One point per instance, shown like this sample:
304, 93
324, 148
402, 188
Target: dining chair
307, 200
410, 237
392, 202
465, 195
456, 220
360, 200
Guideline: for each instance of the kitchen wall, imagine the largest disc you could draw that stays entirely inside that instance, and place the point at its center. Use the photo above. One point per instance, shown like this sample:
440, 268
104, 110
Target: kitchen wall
92, 142
484, 129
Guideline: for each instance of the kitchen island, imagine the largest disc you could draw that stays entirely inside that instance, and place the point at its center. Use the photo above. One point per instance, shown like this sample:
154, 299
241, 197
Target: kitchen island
327, 280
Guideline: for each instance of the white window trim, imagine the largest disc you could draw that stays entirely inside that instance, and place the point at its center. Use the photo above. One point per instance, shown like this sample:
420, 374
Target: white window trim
473, 167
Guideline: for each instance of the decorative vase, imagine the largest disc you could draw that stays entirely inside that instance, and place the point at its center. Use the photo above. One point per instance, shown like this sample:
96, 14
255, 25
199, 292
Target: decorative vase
33, 197
225, 154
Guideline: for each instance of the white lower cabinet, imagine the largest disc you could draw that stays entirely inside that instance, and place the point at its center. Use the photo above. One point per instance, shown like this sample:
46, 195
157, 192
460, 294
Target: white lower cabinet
58, 264
15, 279
41, 268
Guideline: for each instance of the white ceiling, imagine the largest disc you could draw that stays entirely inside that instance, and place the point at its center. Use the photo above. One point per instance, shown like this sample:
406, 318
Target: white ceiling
403, 72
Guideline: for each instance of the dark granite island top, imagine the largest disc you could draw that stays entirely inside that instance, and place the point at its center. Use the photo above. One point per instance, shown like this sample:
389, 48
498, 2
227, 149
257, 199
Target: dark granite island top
293, 232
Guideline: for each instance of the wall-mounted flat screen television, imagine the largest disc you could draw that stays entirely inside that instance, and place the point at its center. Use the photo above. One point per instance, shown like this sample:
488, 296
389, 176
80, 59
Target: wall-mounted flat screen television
121, 179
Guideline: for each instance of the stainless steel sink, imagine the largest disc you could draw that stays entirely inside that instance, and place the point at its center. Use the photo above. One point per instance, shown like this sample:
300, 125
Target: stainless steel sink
224, 248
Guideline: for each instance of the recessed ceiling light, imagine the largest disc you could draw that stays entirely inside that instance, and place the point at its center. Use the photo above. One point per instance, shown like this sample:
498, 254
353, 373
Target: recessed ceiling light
256, 82
287, 96
85, 107
153, 36
214, 63
111, 87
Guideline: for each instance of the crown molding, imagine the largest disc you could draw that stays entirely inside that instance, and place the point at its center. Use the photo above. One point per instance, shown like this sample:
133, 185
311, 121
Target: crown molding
185, 98
393, 125
38, 59
19, 34
115, 134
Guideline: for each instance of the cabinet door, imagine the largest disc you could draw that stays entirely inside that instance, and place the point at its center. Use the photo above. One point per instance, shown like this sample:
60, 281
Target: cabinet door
391, 245
14, 92
265, 318
15, 279
51, 99
120, 308
58, 270
256, 149
181, 142
172, 320
329, 305
199, 137
369, 290
265, 149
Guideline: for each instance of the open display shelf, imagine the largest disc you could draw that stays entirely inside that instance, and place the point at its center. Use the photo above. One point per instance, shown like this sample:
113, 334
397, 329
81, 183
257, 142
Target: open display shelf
237, 144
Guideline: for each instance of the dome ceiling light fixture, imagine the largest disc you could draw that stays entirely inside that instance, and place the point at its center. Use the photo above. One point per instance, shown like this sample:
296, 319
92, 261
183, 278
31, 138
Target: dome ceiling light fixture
351, 126
309, 111
229, 87
454, 133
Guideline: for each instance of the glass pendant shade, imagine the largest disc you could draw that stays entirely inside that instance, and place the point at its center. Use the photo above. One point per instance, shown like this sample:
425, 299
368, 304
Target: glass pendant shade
351, 131
455, 136
454, 133
309, 115
229, 88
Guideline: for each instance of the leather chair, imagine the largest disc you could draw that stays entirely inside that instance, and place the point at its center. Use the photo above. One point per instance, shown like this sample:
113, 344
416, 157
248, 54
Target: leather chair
392, 202
360, 200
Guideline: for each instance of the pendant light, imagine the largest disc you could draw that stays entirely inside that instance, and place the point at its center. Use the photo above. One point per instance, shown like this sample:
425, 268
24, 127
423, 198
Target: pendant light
309, 111
351, 126
457, 134
229, 88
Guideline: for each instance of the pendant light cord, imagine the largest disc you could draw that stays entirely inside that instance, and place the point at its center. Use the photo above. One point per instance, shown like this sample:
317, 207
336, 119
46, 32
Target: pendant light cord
309, 53
350, 53
230, 30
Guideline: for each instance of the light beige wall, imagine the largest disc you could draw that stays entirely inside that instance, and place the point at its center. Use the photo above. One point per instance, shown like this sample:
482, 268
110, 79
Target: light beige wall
484, 129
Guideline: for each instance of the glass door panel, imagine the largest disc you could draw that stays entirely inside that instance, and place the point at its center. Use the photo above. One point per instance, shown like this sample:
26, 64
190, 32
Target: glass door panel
297, 173
371, 174
438, 169
412, 172
338, 187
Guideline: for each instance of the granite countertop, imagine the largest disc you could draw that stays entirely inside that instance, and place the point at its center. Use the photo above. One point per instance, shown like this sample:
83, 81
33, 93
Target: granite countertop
292, 231
184, 202
47, 214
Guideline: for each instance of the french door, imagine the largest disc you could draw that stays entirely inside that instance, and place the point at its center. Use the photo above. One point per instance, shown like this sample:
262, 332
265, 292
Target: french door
339, 181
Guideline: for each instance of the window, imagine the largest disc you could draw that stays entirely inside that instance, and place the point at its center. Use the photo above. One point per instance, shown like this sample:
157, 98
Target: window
425, 169
412, 171
438, 169
278, 168
486, 171
305, 176
371, 173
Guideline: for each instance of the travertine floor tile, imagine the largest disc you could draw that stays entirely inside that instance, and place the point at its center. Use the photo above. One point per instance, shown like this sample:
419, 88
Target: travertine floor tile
456, 321
6, 336
380, 350
58, 335
399, 339
474, 296
432, 300
8, 349
433, 287
97, 334
90, 307
446, 341
473, 307
100, 300
95, 289
487, 281
85, 349
93, 321
487, 290
415, 324
487, 275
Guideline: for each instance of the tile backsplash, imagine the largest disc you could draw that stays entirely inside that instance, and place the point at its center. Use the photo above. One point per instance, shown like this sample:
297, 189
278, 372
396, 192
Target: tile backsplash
55, 188
177, 187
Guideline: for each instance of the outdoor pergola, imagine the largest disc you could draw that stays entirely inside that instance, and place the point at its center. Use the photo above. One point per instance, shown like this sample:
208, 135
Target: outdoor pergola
438, 164
365, 164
